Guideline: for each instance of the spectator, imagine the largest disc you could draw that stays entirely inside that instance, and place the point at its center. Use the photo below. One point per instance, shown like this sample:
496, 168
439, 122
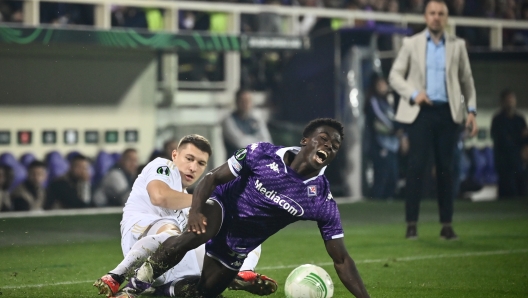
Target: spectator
117, 183
270, 22
72, 190
507, 131
414, 6
243, 127
384, 140
6, 178
393, 6
31, 194
130, 17
11, 11
433, 109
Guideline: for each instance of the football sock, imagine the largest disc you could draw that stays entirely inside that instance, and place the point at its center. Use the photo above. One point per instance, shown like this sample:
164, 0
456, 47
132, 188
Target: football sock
119, 278
145, 272
252, 260
139, 252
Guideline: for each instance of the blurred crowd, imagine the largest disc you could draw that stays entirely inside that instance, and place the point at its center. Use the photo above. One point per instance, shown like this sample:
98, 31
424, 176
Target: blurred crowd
152, 19
386, 151
69, 181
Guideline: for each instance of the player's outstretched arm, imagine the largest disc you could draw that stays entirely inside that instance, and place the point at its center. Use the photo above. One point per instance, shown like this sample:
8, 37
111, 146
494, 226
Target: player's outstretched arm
346, 268
162, 195
197, 221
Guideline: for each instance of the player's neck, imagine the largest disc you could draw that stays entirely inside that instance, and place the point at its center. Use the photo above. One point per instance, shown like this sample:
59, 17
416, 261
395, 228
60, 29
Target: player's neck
299, 165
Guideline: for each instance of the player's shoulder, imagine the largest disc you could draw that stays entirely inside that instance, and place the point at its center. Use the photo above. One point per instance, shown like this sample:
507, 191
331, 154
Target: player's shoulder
261, 148
160, 164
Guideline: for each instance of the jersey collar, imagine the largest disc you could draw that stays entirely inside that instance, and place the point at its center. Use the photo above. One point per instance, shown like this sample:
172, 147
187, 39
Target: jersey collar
295, 150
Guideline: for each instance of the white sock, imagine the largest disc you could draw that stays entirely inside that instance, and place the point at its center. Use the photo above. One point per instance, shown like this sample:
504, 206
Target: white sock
252, 260
139, 253
145, 272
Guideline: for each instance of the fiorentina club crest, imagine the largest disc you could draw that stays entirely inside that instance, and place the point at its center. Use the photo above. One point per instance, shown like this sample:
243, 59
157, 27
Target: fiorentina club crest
312, 190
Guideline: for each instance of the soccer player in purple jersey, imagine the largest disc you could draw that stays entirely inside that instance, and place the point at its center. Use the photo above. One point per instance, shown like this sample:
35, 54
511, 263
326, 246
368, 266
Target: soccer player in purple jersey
260, 190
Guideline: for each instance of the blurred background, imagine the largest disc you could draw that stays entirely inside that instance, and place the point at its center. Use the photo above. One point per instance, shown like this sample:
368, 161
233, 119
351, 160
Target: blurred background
91, 90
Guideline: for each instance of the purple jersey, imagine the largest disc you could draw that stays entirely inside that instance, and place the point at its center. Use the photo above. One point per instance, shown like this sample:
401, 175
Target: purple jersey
267, 195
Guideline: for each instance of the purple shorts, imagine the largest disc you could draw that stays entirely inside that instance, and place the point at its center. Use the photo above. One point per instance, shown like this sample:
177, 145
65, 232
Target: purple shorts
218, 248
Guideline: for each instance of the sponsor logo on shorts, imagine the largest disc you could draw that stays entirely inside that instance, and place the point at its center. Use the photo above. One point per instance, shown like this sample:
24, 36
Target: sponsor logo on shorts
283, 201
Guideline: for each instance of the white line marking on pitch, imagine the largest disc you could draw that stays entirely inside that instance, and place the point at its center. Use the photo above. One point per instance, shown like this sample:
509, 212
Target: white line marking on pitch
407, 259
404, 259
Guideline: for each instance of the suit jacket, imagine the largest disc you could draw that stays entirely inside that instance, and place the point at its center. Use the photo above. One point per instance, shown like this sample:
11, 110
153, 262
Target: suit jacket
408, 74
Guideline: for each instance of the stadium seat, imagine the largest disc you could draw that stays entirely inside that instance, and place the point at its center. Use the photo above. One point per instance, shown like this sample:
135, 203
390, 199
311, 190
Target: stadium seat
57, 165
490, 175
116, 156
26, 159
478, 165
19, 171
103, 162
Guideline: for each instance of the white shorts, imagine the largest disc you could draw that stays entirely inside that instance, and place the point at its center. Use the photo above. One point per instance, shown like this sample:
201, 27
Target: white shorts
148, 224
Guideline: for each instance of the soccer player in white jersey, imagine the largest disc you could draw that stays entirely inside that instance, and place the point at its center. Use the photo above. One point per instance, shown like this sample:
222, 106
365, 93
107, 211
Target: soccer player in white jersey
156, 209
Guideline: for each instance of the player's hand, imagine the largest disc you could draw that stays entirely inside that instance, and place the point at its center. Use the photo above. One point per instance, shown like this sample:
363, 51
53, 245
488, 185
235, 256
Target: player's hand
197, 222
471, 125
421, 99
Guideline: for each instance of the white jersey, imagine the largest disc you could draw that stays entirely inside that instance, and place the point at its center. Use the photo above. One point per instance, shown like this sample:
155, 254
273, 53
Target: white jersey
139, 205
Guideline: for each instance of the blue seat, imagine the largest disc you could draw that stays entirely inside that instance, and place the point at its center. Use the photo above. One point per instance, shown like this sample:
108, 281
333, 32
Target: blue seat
57, 165
103, 163
490, 175
26, 159
478, 162
19, 171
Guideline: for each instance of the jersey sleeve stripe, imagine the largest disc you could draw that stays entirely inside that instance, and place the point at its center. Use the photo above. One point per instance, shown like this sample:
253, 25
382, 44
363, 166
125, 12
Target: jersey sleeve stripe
231, 168
338, 236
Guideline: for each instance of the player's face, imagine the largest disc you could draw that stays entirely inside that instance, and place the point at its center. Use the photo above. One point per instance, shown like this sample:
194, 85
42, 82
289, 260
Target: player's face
37, 176
81, 170
322, 146
436, 16
191, 163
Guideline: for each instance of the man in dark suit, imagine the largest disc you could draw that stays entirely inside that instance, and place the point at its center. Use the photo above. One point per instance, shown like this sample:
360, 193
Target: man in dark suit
433, 76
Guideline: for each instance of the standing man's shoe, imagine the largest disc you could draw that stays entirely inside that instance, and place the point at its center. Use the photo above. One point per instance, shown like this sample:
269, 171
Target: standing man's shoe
447, 233
411, 232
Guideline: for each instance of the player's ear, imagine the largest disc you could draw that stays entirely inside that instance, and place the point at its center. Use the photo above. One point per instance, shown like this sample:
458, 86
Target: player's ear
174, 153
303, 141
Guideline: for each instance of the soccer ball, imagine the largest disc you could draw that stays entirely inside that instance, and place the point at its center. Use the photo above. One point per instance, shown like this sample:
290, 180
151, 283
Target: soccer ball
309, 281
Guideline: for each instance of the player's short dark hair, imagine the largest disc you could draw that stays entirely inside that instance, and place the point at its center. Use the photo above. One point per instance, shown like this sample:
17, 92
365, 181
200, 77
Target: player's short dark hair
36, 164
197, 140
505, 93
314, 124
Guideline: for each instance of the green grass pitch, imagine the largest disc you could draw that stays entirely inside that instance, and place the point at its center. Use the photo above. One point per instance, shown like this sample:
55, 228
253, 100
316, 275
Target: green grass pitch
61, 256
